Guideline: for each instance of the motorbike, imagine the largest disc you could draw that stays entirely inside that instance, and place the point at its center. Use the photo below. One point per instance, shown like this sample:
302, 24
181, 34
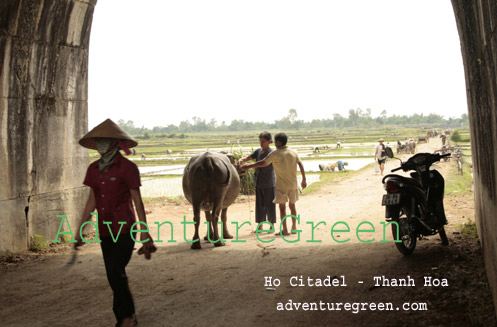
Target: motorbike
415, 203
445, 149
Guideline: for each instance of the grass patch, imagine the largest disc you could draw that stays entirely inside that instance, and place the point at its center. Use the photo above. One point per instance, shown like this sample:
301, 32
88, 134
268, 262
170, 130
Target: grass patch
151, 162
333, 177
158, 144
456, 183
325, 178
469, 230
331, 159
37, 243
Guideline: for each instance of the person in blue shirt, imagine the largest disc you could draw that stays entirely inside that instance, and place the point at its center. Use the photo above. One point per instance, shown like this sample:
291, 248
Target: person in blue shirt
264, 182
341, 164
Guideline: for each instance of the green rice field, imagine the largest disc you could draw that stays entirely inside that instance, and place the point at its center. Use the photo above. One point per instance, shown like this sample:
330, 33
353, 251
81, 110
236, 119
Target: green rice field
161, 158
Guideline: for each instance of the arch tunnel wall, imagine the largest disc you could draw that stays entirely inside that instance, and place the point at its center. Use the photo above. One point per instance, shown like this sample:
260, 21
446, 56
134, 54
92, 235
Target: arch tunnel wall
477, 26
44, 111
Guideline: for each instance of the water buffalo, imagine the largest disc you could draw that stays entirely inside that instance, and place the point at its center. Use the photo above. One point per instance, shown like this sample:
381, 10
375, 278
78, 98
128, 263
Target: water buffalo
407, 147
211, 183
412, 146
423, 139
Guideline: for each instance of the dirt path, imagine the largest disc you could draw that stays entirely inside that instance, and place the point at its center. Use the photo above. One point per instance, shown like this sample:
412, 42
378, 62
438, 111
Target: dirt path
226, 286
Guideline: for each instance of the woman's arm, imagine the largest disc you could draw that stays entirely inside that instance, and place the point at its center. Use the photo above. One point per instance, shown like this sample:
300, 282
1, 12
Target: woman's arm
148, 246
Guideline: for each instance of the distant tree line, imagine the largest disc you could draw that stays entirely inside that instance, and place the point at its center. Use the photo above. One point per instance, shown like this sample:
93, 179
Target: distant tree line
356, 118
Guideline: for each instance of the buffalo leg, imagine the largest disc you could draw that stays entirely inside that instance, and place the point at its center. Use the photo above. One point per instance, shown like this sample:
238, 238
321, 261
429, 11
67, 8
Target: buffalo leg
215, 218
210, 231
224, 218
196, 217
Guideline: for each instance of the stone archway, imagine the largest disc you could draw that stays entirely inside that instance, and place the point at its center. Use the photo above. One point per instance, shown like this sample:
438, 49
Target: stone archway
43, 111
477, 26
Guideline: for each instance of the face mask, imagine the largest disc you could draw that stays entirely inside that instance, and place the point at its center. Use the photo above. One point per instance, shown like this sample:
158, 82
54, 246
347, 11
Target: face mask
103, 144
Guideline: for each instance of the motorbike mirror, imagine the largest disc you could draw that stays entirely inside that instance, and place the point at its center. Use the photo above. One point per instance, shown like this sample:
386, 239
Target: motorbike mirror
389, 152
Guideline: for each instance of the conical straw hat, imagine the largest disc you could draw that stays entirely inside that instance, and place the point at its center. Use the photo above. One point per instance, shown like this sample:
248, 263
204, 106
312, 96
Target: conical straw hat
107, 129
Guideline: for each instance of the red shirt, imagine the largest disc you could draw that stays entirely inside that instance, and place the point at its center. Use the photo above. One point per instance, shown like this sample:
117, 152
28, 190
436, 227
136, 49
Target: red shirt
112, 195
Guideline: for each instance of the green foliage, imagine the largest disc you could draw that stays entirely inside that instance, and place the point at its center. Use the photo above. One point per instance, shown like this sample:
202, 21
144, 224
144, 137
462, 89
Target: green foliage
456, 184
456, 136
37, 244
145, 136
156, 146
65, 238
247, 180
469, 229
357, 118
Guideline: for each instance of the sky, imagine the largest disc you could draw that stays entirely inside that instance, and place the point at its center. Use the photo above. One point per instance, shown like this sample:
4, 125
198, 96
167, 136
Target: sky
160, 62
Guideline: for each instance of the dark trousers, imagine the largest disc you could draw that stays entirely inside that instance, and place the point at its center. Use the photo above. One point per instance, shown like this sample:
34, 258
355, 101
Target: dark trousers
116, 257
264, 205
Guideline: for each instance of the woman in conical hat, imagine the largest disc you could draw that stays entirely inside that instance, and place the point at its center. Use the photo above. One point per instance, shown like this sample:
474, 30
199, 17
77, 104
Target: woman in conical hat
114, 183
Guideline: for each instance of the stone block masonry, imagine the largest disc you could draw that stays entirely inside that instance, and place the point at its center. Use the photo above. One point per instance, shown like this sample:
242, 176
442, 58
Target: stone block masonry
43, 113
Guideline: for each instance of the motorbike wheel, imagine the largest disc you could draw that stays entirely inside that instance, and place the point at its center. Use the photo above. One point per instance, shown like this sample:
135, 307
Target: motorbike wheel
408, 244
443, 236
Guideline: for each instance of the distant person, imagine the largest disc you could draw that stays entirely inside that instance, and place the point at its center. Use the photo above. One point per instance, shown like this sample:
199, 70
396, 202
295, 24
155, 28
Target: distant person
380, 155
328, 167
114, 185
443, 137
265, 181
285, 163
339, 145
341, 165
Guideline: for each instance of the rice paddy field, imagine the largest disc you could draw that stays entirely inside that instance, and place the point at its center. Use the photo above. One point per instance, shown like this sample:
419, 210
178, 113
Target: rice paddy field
162, 158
